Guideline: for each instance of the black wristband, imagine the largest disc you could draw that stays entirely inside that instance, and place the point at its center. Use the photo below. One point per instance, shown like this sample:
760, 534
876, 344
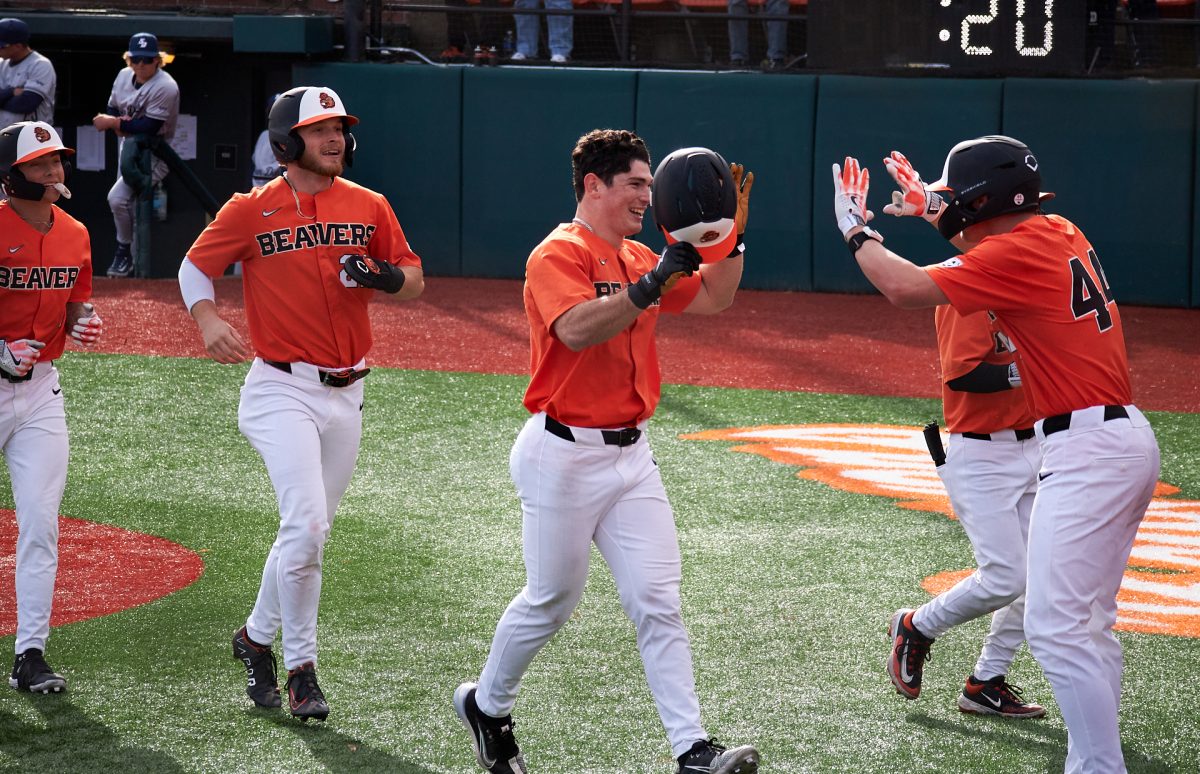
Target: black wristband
645, 291
861, 238
739, 247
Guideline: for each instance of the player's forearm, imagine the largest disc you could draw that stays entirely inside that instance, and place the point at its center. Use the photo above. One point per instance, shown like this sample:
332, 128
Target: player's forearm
414, 283
595, 322
720, 285
905, 284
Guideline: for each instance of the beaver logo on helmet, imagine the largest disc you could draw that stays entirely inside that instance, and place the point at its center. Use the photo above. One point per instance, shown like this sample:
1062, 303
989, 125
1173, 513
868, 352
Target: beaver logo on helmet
40, 134
326, 101
695, 201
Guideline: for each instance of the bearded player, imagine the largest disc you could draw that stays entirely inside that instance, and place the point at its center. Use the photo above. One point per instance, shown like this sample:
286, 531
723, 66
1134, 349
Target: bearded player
314, 247
45, 284
1041, 278
582, 465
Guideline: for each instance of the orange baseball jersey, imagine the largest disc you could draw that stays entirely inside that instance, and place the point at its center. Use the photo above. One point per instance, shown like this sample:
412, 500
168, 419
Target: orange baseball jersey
1048, 291
39, 275
965, 341
298, 305
612, 384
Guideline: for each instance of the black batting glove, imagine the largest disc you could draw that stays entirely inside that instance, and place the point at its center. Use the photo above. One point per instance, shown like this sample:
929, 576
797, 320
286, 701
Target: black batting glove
679, 259
370, 273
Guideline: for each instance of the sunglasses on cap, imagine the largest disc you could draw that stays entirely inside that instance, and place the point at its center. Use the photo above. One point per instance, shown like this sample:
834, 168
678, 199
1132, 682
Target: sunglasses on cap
142, 59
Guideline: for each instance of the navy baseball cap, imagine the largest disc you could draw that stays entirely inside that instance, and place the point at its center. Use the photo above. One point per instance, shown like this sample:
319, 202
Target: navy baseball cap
143, 44
13, 31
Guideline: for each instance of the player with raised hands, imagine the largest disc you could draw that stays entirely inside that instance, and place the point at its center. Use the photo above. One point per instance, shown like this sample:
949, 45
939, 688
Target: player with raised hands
1043, 281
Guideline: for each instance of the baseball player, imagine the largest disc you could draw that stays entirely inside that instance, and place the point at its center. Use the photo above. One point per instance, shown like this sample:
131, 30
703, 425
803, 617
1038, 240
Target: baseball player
1044, 282
144, 101
582, 464
45, 284
314, 247
27, 79
990, 474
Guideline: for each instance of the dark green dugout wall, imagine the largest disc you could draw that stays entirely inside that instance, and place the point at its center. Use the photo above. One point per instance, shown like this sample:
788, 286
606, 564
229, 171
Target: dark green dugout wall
477, 161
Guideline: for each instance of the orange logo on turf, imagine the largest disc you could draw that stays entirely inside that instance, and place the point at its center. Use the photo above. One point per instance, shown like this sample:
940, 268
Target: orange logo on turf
1160, 593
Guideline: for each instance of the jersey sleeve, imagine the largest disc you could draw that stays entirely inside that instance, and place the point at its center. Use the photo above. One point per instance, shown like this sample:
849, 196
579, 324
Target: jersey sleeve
557, 281
41, 79
163, 103
225, 241
964, 341
388, 241
995, 275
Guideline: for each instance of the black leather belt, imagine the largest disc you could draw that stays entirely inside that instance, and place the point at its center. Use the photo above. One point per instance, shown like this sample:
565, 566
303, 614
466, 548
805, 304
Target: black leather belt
1023, 434
342, 378
626, 436
6, 376
1062, 421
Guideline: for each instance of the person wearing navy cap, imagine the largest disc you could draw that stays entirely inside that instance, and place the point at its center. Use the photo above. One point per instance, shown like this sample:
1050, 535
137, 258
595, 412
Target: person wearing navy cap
144, 101
27, 79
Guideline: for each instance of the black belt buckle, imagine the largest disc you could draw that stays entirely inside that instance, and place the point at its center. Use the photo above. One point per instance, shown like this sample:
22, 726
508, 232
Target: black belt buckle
626, 436
342, 378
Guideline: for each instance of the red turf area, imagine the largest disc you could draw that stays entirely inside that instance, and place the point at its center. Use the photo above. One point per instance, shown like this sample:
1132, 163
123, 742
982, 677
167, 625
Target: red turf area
779, 341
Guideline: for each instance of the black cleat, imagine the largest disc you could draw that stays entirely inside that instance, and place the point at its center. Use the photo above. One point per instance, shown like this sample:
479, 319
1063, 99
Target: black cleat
910, 651
261, 683
304, 695
996, 697
495, 746
708, 757
31, 673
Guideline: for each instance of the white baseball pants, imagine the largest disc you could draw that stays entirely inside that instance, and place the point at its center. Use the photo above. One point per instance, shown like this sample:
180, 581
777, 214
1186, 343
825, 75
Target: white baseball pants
573, 494
33, 435
1097, 479
991, 486
308, 435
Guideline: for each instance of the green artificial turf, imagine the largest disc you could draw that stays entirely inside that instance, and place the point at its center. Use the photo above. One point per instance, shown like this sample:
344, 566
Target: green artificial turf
788, 587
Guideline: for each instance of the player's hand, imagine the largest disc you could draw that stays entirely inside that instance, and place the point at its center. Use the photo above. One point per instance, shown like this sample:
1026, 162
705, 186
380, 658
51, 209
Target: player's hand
677, 260
743, 181
913, 198
88, 326
368, 272
222, 342
17, 357
850, 186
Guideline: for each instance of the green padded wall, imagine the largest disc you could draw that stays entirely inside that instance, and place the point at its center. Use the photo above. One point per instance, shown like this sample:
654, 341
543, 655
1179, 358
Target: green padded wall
1119, 156
765, 124
868, 118
519, 127
409, 147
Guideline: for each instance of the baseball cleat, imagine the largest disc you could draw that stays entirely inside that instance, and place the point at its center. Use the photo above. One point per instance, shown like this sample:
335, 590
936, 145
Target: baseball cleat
708, 757
261, 683
31, 673
304, 695
122, 262
495, 746
910, 651
996, 697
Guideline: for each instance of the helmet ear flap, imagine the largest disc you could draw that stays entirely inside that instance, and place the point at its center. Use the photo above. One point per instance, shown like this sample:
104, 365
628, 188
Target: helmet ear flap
351, 144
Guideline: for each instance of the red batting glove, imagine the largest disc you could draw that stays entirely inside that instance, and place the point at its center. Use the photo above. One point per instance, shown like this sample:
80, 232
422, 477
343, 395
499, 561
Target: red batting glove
913, 198
87, 329
850, 196
18, 357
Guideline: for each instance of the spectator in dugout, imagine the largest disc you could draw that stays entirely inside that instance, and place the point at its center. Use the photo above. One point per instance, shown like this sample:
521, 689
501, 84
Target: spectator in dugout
27, 79
144, 101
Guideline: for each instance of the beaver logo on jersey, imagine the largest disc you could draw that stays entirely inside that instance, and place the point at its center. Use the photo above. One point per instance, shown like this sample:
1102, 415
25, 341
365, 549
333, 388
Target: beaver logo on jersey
326, 101
310, 235
38, 277
40, 134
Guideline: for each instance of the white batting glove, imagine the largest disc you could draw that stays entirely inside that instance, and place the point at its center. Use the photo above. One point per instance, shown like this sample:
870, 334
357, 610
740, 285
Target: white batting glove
88, 328
18, 357
1014, 376
913, 198
850, 196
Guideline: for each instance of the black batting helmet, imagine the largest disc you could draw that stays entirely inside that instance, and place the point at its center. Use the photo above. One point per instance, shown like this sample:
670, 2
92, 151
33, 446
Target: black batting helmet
22, 142
695, 200
302, 106
998, 167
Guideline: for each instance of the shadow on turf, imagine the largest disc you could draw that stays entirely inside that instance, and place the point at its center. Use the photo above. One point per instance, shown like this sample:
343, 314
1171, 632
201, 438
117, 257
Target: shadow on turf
339, 752
71, 741
1021, 735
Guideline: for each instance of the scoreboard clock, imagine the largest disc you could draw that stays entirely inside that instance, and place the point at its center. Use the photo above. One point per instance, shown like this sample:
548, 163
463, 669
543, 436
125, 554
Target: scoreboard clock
967, 37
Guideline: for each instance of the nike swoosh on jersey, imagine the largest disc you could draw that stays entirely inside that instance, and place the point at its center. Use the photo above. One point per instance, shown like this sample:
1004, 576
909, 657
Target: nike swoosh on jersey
269, 213
15, 249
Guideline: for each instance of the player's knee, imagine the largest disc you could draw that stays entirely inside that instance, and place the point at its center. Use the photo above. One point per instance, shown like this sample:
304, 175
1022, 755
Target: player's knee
1003, 584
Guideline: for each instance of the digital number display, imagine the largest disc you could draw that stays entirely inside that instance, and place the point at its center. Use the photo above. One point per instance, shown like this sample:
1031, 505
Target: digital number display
1010, 36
